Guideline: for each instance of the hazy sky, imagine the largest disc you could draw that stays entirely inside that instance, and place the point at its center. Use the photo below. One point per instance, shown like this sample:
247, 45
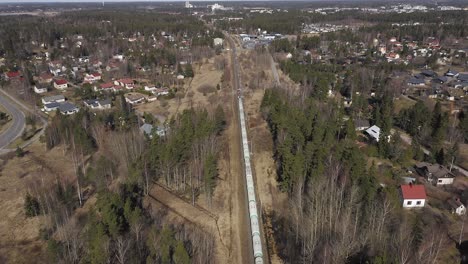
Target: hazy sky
74, 1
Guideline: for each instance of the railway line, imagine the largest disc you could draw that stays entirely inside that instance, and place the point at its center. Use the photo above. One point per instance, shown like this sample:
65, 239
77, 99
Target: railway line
254, 216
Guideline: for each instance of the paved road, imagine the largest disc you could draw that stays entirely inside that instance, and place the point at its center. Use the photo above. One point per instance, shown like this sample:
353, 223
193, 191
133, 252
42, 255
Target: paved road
18, 122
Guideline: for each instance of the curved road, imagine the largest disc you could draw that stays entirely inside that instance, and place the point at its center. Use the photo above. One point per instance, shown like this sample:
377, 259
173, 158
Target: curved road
16, 127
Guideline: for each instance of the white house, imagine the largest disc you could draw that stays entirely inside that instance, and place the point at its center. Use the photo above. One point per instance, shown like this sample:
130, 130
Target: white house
53, 99
39, 89
374, 132
127, 83
456, 206
134, 98
91, 78
413, 195
218, 41
435, 173
60, 84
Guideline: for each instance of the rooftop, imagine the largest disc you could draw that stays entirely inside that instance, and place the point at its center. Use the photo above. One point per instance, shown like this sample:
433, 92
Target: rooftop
413, 191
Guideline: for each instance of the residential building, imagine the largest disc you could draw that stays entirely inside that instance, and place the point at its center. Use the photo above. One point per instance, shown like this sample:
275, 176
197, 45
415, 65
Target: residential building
361, 124
91, 78
134, 98
218, 41
456, 206
60, 84
435, 173
98, 104
53, 99
67, 108
40, 88
374, 133
127, 83
413, 195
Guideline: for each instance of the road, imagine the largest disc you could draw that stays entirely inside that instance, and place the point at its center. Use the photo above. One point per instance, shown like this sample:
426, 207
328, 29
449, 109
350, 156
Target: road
18, 122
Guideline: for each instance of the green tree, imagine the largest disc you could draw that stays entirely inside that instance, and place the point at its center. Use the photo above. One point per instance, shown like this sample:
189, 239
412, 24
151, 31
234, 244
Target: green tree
189, 71
31, 206
180, 254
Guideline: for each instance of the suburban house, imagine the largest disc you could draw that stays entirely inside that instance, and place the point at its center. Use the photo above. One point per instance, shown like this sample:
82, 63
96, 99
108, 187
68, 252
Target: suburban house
51, 106
105, 87
134, 98
98, 104
361, 124
150, 87
13, 75
127, 83
60, 84
45, 77
413, 195
416, 82
40, 88
218, 42
374, 133
456, 206
68, 108
161, 91
435, 173
91, 78
53, 99
147, 129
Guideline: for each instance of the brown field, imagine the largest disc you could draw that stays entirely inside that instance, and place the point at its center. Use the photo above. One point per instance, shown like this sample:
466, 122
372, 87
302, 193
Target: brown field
19, 235
205, 75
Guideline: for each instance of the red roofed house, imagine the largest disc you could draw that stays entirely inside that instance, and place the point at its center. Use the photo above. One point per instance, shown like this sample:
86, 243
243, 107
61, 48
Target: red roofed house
413, 195
93, 77
45, 77
13, 75
105, 87
60, 84
127, 83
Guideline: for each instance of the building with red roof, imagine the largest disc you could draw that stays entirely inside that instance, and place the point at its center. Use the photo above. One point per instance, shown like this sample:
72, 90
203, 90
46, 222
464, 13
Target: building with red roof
60, 84
413, 195
12, 75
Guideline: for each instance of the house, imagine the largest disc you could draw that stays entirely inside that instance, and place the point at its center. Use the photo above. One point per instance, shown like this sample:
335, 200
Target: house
440, 80
429, 73
462, 77
91, 78
60, 84
161, 91
13, 75
218, 41
105, 87
98, 104
413, 195
147, 129
53, 99
456, 206
51, 106
40, 88
134, 98
435, 173
451, 73
45, 77
127, 83
413, 81
361, 124
374, 132
150, 87
68, 108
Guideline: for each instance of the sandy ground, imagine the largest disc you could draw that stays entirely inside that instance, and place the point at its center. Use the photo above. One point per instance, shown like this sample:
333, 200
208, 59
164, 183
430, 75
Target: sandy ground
19, 241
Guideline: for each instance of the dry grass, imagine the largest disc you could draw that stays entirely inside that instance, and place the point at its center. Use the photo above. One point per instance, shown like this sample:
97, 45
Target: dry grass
402, 103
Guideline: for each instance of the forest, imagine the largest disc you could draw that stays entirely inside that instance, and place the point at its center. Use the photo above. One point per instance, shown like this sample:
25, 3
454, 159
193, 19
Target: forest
337, 212
113, 160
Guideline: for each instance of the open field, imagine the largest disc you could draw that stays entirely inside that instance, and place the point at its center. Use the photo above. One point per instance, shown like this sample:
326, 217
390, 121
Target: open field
19, 235
193, 95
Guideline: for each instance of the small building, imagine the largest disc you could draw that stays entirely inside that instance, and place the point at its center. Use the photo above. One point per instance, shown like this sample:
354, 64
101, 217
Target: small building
413, 195
435, 173
134, 98
13, 75
361, 124
40, 88
105, 87
91, 78
98, 104
45, 77
218, 42
456, 206
127, 83
53, 99
374, 133
67, 108
416, 82
51, 106
147, 129
60, 84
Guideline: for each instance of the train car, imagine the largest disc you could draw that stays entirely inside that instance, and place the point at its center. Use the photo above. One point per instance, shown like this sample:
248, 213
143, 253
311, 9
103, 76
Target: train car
255, 226
251, 193
253, 209
257, 246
